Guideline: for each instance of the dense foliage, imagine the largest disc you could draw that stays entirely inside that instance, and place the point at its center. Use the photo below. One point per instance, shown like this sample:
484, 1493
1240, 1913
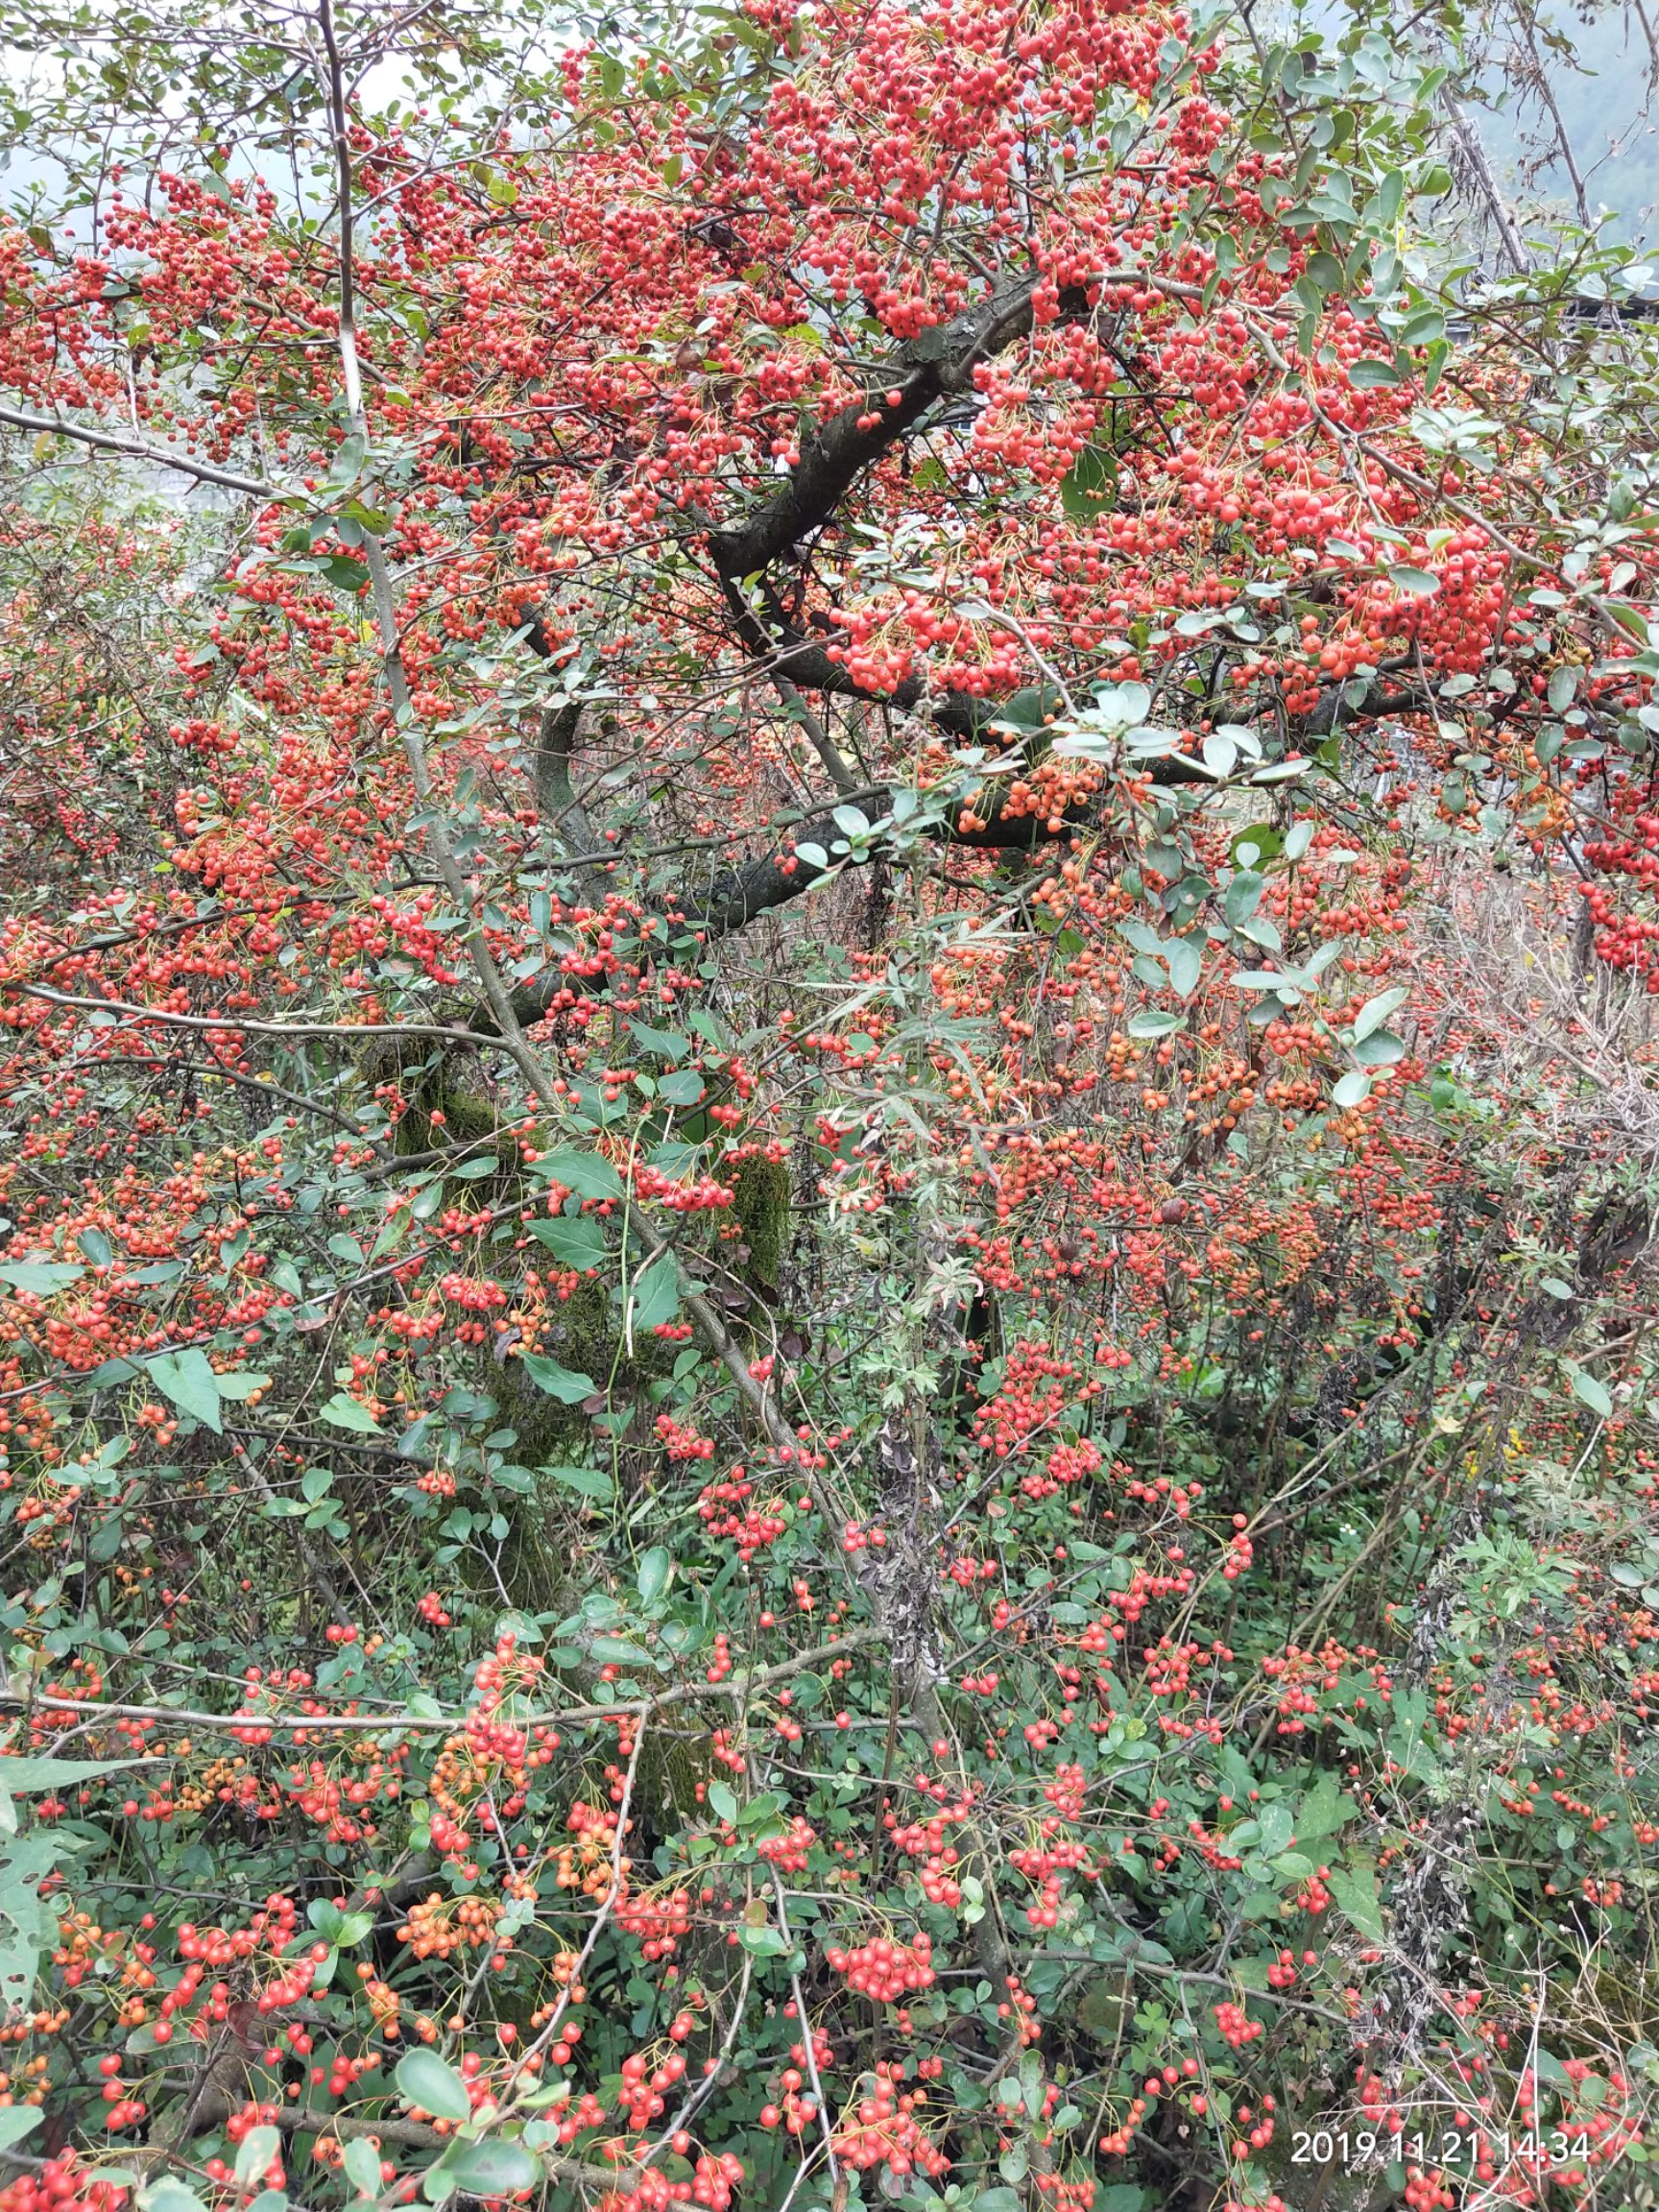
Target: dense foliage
831, 1149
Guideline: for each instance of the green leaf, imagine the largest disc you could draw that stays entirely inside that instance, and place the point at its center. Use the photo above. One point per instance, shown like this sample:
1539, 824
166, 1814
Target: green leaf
764, 1943
253, 2154
1277, 1828
574, 1239
371, 520
1416, 581
1183, 958
347, 1414
168, 2194
1592, 1391
41, 1277
344, 1930
1550, 2069
1356, 1893
494, 2167
1372, 376
1090, 484
564, 1384
651, 1578
241, 1384
682, 1087
586, 1481
1376, 1011
474, 1170
187, 1378
43, 1773
1630, 619
1563, 688
666, 1044
27, 1926
1381, 1048
96, 1246
423, 2079
1242, 896
362, 2164
1323, 1810
1325, 270
654, 1295
1383, 206
348, 460
16, 2122
584, 1172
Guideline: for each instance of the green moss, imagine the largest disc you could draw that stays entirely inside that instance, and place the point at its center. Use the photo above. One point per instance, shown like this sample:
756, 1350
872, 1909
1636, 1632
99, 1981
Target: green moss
581, 1335
467, 1116
761, 1206
432, 1084
551, 1559
544, 1543
1103, 2010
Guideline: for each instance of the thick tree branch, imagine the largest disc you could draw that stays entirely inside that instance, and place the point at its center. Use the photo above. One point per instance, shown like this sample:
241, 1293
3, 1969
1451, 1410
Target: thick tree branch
939, 364
416, 2136
776, 877
151, 456
807, 663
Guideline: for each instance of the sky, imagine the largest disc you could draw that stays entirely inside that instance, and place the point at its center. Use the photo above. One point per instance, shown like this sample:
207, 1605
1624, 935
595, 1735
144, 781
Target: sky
1605, 95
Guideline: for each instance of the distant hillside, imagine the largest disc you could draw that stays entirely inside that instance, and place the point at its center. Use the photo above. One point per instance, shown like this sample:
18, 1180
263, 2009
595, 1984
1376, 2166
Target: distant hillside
1606, 101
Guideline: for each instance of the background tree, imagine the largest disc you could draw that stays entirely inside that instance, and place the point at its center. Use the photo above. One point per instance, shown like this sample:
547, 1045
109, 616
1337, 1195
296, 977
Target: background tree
832, 1154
